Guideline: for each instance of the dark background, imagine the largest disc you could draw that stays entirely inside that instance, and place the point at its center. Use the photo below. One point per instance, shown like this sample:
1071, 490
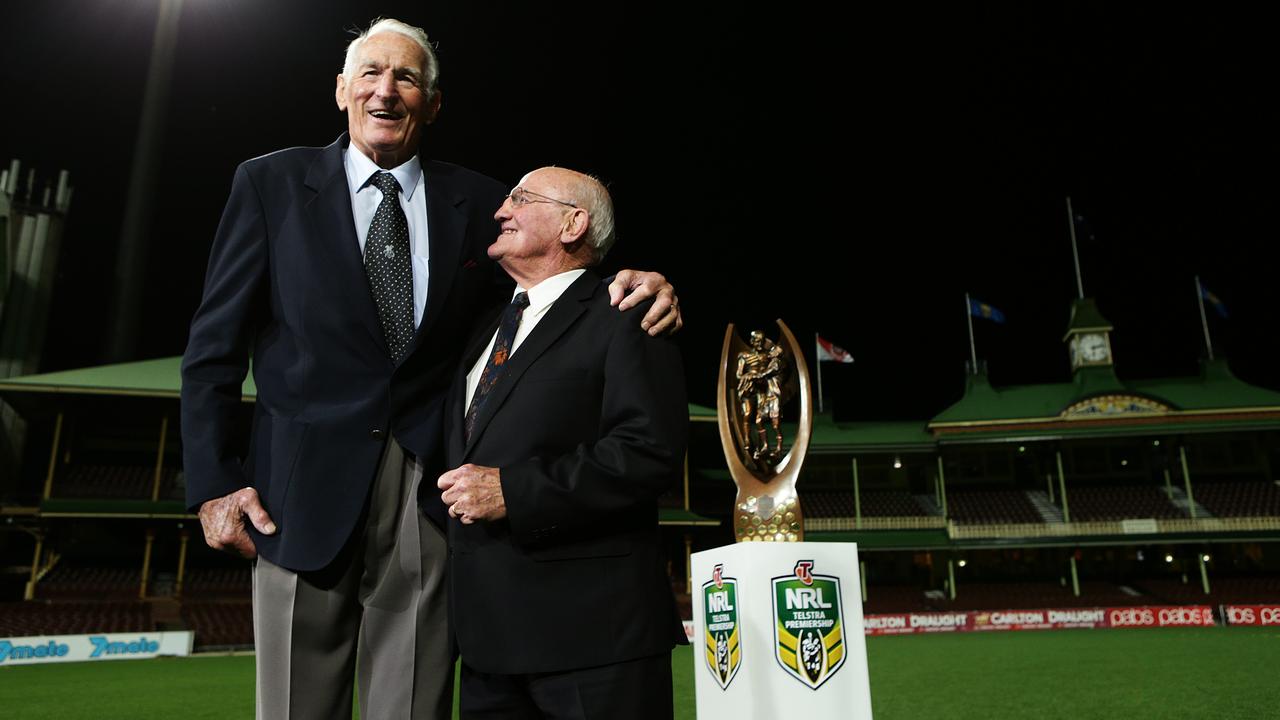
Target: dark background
854, 174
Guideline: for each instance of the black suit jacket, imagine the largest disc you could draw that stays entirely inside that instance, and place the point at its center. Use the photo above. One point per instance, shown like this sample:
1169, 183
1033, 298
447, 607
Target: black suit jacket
286, 284
588, 425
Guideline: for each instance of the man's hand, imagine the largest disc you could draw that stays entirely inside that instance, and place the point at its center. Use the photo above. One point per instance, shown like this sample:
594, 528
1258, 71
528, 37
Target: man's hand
223, 522
630, 287
473, 492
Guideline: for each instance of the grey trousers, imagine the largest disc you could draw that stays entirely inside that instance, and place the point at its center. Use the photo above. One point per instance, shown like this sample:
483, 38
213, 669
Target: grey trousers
378, 614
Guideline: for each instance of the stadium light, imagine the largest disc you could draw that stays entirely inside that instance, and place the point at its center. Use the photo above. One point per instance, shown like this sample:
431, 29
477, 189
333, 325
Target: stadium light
1206, 557
965, 562
1124, 463
897, 463
1155, 443
1168, 558
1022, 448
144, 178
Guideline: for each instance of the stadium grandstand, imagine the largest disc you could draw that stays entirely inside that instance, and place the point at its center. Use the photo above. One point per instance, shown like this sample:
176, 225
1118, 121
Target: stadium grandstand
1092, 493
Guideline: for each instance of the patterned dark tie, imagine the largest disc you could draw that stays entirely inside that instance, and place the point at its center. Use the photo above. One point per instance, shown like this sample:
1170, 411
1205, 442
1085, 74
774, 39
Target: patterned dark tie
507, 327
388, 263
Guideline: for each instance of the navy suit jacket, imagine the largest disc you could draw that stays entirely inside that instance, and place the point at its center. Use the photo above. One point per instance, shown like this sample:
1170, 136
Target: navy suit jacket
286, 285
588, 425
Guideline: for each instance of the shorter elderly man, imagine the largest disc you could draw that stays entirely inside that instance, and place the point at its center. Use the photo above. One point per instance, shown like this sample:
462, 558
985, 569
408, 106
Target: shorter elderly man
567, 425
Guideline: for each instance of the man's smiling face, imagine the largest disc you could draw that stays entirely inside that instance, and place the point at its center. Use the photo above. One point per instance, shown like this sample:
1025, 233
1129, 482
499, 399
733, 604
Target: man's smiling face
386, 98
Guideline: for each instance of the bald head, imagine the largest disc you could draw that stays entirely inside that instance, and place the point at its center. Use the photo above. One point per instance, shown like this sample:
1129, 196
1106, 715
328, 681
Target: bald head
589, 194
555, 220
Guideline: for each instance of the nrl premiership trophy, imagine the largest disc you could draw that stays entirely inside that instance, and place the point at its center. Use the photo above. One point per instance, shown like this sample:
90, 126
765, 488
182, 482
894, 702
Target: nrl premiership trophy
757, 378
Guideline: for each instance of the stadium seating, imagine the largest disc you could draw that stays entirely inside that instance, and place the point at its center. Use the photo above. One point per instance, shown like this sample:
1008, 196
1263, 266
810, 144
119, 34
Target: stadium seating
982, 507
1034, 595
1265, 589
1018, 595
67, 582
1118, 502
111, 482
896, 598
875, 503
37, 617
890, 503
1241, 498
218, 583
219, 624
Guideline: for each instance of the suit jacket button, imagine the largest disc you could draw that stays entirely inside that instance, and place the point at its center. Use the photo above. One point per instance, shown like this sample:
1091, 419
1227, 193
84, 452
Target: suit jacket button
375, 434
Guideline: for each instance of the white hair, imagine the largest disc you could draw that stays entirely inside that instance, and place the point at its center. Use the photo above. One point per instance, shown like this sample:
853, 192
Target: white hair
431, 67
591, 195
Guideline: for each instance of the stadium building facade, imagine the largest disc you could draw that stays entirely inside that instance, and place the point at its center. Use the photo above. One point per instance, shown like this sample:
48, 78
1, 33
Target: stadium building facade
1033, 506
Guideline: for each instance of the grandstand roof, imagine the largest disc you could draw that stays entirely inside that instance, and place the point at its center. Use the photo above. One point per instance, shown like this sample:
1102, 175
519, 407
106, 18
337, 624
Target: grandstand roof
148, 378
1097, 402
161, 377
834, 437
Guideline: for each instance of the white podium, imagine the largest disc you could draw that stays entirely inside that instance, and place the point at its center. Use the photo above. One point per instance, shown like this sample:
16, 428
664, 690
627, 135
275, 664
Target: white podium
778, 632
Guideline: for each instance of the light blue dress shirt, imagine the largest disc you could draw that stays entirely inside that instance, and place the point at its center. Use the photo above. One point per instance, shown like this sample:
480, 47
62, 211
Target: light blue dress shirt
365, 199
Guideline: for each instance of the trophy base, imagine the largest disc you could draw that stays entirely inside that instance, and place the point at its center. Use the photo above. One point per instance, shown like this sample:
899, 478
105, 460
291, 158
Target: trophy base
765, 518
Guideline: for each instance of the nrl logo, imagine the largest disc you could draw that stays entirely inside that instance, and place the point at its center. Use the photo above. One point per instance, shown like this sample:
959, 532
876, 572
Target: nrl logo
723, 639
808, 633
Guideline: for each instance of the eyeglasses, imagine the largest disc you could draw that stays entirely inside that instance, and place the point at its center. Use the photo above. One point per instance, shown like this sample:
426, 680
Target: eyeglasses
519, 196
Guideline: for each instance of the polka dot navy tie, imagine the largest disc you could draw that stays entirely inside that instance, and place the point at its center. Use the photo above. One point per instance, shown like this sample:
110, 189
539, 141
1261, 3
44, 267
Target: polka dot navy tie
389, 266
507, 327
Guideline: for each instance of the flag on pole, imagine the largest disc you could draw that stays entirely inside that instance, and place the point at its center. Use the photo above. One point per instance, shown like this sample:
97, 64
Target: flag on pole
985, 311
829, 351
1214, 301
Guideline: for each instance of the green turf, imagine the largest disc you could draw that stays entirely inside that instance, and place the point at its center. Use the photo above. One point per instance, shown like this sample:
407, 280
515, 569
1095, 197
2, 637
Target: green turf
203, 687
1200, 673
1166, 673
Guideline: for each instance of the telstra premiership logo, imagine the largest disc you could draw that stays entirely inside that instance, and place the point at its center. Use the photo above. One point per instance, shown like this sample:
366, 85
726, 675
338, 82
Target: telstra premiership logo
808, 633
723, 637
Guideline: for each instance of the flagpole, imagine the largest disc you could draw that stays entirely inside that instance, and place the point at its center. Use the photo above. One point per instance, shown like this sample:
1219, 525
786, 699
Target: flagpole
818, 361
973, 349
1075, 254
1204, 322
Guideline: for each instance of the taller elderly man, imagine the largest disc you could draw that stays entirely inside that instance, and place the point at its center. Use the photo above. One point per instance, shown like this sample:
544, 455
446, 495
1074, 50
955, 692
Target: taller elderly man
351, 274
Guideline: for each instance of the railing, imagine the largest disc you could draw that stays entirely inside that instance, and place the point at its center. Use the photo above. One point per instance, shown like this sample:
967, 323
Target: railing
1113, 527
905, 522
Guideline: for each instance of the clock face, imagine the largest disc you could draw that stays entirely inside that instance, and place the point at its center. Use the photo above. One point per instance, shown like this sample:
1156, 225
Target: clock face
1092, 348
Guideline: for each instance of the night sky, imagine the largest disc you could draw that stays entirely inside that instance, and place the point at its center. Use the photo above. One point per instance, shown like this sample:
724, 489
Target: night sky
854, 175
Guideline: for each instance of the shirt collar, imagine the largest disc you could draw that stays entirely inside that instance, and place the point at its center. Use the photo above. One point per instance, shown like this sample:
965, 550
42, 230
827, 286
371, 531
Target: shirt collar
360, 170
549, 290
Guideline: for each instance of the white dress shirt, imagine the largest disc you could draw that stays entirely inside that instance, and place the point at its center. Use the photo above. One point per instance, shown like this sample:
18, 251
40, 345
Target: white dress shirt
365, 199
541, 297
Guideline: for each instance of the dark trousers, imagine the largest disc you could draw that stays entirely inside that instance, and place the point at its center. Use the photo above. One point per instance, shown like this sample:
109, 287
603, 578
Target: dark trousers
632, 690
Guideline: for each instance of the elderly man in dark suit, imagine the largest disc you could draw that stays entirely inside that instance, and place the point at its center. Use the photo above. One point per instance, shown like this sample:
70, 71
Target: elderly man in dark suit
566, 424
352, 274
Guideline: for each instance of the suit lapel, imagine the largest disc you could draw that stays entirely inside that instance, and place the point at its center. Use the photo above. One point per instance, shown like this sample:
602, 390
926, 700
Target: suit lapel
335, 227
563, 313
457, 408
446, 231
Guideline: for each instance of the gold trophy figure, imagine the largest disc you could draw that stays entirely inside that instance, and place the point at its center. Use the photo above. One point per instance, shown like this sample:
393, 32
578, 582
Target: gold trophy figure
767, 508
760, 395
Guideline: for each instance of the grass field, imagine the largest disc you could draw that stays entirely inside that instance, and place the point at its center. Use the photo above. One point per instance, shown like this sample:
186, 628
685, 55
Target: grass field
1200, 673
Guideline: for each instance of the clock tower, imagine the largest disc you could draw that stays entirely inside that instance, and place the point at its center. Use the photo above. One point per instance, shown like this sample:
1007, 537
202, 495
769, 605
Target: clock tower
1088, 336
